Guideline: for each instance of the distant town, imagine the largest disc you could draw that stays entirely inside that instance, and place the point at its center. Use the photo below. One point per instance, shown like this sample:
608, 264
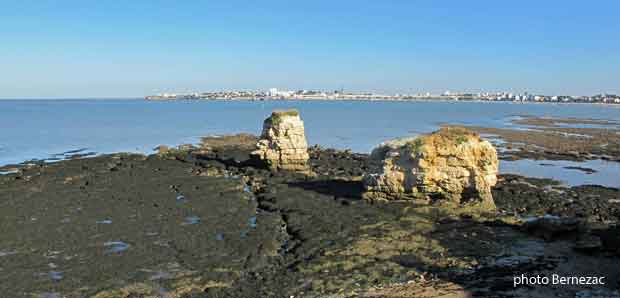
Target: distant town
276, 94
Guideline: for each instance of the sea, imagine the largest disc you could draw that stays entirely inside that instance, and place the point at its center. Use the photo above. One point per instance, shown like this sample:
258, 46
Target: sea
54, 129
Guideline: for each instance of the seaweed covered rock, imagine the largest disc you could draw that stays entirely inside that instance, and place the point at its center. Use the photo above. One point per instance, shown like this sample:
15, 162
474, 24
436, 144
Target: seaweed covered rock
450, 165
611, 239
234, 150
283, 145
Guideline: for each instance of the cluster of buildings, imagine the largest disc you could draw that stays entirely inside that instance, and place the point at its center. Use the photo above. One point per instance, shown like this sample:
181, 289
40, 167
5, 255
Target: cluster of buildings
206, 95
276, 94
526, 97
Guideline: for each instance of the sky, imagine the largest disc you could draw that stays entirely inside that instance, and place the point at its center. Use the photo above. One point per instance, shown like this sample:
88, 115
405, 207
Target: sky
74, 49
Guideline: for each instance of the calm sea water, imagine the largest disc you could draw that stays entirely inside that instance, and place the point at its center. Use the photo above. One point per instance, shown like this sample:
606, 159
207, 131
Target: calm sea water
41, 128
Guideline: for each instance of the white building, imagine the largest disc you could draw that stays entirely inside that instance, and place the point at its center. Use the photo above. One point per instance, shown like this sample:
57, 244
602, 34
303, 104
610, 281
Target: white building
280, 93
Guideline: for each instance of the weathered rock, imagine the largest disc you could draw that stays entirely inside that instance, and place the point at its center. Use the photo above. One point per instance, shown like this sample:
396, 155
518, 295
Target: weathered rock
452, 164
611, 239
551, 227
588, 243
283, 145
162, 149
232, 150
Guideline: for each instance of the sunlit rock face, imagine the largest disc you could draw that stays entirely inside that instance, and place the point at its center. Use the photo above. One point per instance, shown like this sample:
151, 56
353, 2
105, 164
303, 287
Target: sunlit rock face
450, 165
283, 145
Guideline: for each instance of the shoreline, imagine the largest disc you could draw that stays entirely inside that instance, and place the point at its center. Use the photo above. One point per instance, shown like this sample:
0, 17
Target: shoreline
526, 138
386, 100
308, 100
583, 166
200, 220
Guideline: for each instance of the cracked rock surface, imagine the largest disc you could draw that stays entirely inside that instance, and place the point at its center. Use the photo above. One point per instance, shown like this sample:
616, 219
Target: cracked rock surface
205, 222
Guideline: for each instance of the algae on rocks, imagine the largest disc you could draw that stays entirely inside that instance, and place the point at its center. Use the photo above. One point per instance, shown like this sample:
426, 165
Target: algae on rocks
283, 145
451, 165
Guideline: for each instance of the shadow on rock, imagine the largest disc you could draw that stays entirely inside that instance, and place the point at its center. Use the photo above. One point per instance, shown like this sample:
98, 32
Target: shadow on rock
343, 189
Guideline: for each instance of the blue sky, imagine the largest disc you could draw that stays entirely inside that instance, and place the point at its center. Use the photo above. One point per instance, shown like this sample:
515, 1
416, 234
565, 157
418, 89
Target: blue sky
132, 48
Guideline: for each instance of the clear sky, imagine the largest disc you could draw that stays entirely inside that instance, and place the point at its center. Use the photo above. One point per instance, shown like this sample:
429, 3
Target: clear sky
137, 47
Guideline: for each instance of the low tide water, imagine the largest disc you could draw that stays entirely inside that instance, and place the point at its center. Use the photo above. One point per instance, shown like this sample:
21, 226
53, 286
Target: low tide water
571, 173
53, 129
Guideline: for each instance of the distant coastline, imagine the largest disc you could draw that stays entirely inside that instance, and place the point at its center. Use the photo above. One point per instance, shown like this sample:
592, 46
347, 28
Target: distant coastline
275, 94
447, 100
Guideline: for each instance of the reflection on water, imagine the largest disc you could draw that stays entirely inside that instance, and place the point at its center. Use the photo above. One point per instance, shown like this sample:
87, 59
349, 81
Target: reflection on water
609, 125
191, 220
55, 275
4, 253
252, 222
115, 246
567, 172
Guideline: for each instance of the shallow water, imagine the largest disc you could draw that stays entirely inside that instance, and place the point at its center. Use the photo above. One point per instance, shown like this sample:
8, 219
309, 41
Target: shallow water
58, 129
252, 222
9, 172
55, 275
610, 125
115, 246
4, 253
191, 220
606, 171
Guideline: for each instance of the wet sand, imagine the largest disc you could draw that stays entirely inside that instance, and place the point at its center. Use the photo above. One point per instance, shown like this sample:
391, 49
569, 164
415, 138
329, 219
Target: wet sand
556, 139
208, 222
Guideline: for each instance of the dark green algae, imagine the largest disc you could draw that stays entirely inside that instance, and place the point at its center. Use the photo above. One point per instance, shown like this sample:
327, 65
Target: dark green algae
53, 214
258, 233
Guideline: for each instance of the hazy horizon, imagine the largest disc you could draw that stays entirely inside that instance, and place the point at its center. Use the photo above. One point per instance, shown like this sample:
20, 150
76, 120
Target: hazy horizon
131, 49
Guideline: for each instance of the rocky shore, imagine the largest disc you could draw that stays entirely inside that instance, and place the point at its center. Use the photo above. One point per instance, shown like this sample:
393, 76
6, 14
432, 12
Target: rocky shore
214, 221
556, 138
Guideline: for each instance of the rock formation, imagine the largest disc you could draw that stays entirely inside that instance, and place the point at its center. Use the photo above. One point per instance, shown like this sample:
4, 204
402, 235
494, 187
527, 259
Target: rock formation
449, 165
283, 145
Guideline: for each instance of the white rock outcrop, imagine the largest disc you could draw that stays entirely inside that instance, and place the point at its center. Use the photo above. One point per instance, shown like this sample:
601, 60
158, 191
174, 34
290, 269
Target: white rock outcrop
450, 165
283, 145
